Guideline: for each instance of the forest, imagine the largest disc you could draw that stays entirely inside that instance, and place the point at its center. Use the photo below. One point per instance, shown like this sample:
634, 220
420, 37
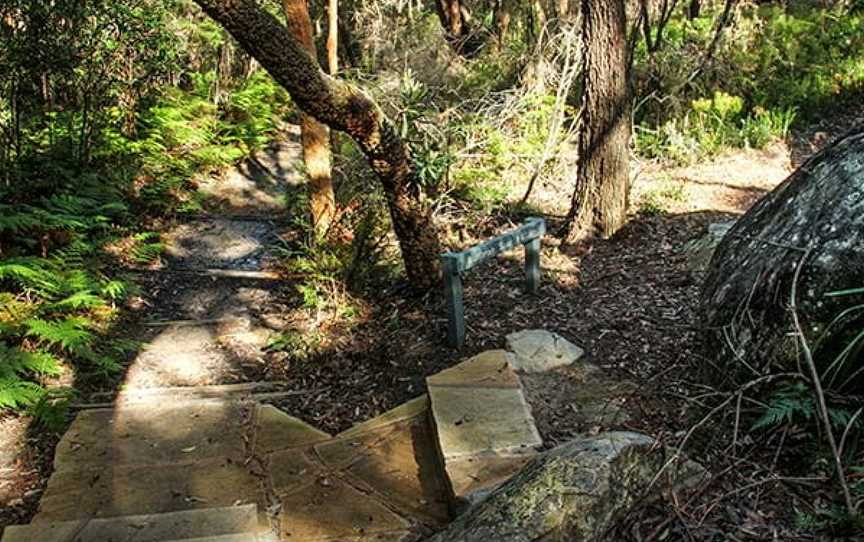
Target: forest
234, 235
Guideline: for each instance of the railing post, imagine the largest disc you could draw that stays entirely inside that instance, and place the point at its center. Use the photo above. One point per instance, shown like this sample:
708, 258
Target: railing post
532, 257
532, 265
455, 307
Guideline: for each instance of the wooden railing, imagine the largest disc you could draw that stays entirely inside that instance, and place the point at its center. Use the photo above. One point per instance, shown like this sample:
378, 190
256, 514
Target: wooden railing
457, 263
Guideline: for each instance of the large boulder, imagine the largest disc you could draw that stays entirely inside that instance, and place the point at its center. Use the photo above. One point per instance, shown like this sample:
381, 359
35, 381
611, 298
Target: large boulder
572, 493
815, 218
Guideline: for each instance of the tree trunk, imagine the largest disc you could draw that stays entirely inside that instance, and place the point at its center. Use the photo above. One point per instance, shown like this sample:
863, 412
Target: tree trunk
694, 9
342, 107
817, 212
333, 36
454, 19
601, 197
315, 136
503, 15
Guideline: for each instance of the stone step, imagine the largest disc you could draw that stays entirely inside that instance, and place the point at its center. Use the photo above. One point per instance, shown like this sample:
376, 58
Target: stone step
226, 524
483, 425
244, 537
158, 433
133, 396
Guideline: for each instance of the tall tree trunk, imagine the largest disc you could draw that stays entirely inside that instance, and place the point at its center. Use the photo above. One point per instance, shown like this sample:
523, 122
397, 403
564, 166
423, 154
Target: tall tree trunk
599, 205
503, 15
315, 136
342, 107
455, 21
333, 36
694, 9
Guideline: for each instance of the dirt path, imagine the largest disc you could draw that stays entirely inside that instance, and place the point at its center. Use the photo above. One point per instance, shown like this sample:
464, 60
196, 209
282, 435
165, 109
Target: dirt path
208, 308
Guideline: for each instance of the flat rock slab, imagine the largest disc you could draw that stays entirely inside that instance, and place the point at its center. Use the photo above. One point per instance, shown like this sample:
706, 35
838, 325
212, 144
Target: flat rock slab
328, 509
152, 489
393, 456
190, 524
150, 434
480, 415
538, 350
276, 430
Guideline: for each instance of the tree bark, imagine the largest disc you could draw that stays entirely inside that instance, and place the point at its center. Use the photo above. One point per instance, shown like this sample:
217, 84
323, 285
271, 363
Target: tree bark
455, 21
694, 9
601, 197
817, 212
503, 15
333, 36
342, 107
315, 137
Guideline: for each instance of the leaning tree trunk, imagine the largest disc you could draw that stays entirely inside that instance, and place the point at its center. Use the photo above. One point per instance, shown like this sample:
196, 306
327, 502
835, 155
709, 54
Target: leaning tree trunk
814, 219
342, 107
600, 200
315, 136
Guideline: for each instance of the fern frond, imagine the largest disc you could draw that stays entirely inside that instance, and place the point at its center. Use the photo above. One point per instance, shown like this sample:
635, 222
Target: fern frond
77, 301
36, 275
16, 362
71, 334
114, 289
16, 393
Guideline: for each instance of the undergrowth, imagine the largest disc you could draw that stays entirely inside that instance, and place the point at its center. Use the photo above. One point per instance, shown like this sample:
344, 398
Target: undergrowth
68, 227
776, 65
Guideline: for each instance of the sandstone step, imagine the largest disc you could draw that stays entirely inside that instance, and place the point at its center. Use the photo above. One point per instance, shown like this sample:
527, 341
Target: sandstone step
276, 430
484, 428
217, 524
106, 491
134, 396
164, 432
244, 537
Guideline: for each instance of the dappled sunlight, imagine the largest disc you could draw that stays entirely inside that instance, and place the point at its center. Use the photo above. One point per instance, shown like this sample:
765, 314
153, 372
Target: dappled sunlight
262, 184
729, 183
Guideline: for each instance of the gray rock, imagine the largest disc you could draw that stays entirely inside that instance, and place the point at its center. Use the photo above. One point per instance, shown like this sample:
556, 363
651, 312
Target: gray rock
813, 220
538, 350
700, 251
574, 492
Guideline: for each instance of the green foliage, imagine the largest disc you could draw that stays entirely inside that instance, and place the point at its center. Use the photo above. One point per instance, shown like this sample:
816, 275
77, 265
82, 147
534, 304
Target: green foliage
130, 107
775, 65
659, 199
711, 125
300, 346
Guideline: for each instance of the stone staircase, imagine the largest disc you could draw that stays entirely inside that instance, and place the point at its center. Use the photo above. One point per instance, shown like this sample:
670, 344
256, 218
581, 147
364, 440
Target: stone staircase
217, 464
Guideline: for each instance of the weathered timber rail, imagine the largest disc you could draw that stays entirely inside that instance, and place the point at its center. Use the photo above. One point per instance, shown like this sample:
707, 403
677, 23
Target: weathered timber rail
456, 263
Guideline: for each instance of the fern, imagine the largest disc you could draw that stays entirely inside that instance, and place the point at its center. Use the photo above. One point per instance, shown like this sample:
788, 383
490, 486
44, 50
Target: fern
786, 406
16, 393
147, 248
796, 404
15, 366
114, 289
77, 301
34, 275
70, 334
18, 362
